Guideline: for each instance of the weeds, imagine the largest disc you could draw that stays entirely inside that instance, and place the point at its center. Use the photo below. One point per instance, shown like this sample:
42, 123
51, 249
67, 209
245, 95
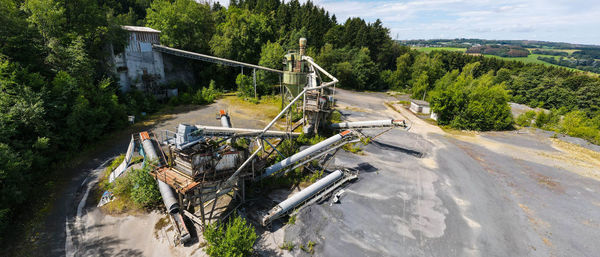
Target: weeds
352, 147
292, 220
289, 246
309, 248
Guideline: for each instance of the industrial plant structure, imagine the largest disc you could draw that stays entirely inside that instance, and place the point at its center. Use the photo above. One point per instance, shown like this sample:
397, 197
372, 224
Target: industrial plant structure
202, 171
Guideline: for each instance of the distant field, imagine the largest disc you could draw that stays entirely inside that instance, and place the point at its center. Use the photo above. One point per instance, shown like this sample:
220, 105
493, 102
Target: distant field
429, 49
570, 51
532, 58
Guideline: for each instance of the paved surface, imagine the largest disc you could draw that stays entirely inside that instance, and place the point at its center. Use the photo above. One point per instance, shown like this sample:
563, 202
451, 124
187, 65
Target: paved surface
421, 193
491, 194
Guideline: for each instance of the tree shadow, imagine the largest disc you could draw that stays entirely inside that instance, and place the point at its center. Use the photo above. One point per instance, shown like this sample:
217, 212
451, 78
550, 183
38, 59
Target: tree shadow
105, 246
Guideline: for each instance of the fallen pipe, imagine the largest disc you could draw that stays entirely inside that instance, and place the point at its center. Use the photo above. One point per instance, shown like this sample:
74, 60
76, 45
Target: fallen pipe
225, 122
166, 192
305, 153
302, 196
368, 124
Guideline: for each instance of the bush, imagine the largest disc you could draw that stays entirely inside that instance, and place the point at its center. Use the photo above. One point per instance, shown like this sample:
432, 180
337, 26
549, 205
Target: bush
335, 117
471, 103
288, 148
144, 191
304, 140
577, 124
136, 189
137, 102
236, 238
525, 119
244, 86
206, 95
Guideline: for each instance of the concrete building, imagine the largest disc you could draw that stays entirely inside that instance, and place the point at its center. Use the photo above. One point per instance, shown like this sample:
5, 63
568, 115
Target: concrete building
138, 66
418, 106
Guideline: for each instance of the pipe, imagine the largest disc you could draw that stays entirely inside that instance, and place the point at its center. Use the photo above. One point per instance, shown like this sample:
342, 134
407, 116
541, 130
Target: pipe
300, 197
225, 122
368, 124
303, 154
168, 197
244, 131
165, 190
148, 146
333, 79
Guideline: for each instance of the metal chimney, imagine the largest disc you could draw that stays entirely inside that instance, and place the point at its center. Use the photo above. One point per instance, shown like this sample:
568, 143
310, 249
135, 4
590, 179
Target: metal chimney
302, 46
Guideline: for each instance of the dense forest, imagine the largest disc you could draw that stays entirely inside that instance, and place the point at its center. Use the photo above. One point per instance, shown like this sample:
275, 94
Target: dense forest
58, 94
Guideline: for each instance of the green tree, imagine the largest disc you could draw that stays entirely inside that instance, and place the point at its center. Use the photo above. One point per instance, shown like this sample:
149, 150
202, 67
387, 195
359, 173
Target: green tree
241, 36
244, 84
236, 238
365, 70
420, 86
185, 24
431, 65
471, 103
271, 56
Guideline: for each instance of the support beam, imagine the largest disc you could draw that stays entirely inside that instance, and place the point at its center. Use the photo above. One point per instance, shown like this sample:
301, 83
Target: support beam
208, 58
254, 82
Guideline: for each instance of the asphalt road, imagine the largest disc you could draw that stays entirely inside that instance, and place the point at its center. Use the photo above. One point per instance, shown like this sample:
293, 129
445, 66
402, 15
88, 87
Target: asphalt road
491, 194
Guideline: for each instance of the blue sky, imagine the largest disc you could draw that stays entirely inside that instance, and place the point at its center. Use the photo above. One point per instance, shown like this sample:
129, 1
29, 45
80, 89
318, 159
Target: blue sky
572, 21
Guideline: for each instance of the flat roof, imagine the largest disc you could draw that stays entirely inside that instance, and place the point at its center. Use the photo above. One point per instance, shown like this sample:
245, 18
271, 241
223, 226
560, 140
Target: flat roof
140, 29
420, 102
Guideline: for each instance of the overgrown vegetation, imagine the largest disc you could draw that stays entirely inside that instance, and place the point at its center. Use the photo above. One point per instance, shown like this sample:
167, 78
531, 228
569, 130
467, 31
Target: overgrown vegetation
465, 102
204, 95
234, 238
292, 220
289, 246
134, 190
574, 123
309, 248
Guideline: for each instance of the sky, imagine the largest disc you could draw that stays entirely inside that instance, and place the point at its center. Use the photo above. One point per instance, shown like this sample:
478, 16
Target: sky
571, 21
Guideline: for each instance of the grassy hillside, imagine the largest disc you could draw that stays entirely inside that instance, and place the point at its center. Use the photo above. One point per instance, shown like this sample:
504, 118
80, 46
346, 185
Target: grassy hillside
532, 58
569, 51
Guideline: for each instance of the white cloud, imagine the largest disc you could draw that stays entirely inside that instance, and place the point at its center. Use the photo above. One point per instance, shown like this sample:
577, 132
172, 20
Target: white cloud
551, 20
575, 21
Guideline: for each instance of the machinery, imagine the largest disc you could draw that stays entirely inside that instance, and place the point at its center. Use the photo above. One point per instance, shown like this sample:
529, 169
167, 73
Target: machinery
300, 72
311, 194
201, 170
165, 190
